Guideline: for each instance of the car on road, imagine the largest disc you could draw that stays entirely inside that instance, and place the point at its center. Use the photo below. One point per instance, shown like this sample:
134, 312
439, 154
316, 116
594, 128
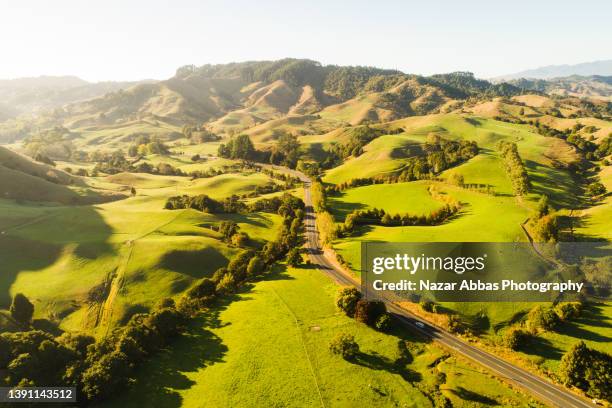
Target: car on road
420, 324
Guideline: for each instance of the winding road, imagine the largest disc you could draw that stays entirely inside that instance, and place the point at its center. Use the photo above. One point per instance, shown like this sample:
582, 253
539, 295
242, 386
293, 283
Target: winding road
539, 387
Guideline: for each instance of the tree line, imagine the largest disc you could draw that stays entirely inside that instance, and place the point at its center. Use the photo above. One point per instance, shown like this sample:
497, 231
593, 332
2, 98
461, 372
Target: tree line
380, 217
514, 167
229, 205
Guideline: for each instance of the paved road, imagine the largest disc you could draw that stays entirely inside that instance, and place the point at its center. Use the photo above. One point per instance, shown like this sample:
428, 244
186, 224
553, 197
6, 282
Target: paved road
538, 387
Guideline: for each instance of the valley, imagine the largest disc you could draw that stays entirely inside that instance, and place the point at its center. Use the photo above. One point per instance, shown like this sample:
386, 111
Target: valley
156, 197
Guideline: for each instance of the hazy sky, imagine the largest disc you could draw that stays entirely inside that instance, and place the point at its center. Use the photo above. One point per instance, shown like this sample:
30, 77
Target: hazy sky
129, 39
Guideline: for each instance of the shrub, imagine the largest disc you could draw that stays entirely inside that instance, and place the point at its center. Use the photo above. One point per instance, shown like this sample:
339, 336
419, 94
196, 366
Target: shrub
255, 267
294, 258
347, 299
344, 345
383, 323
515, 338
203, 288
368, 312
227, 284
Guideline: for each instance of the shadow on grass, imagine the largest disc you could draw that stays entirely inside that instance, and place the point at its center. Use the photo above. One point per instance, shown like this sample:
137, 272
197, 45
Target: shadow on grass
160, 379
593, 314
539, 346
375, 361
472, 396
517, 317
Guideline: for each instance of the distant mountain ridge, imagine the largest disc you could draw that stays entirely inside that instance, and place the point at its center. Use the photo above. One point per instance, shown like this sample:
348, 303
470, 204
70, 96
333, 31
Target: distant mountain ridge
37, 94
602, 68
594, 86
241, 95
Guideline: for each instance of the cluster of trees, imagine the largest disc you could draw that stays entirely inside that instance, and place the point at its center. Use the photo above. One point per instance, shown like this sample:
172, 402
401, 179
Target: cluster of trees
144, 145
440, 154
285, 152
55, 142
238, 148
380, 217
230, 232
229, 205
539, 319
605, 148
272, 204
199, 134
588, 148
116, 162
360, 136
97, 370
587, 369
515, 167
373, 313
204, 203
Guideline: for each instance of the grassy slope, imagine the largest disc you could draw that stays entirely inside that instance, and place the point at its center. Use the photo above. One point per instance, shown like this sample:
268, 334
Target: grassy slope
158, 252
289, 320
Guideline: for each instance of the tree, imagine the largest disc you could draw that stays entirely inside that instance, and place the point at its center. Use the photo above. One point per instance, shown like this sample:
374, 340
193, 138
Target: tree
345, 345
347, 299
573, 365
255, 267
569, 310
540, 318
133, 191
595, 189
294, 258
240, 239
587, 369
106, 376
456, 179
168, 322
368, 312
543, 208
546, 229
288, 144
195, 158
22, 309
515, 338
227, 284
204, 288
238, 147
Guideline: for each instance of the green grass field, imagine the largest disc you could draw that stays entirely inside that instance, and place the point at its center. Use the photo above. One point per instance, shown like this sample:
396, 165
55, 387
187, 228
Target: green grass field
156, 253
289, 319
399, 198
